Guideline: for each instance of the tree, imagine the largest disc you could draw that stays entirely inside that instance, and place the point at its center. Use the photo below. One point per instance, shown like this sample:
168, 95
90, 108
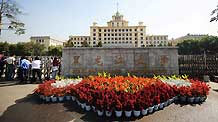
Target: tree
99, 44
69, 43
85, 44
10, 10
54, 51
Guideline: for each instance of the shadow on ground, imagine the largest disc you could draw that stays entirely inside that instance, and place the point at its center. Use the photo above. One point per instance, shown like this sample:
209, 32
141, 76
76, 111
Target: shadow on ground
32, 109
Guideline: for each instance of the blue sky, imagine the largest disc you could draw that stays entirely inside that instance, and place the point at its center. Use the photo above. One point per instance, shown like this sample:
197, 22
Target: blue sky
62, 18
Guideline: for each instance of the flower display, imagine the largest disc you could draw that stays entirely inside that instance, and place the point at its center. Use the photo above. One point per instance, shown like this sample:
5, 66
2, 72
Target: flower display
129, 93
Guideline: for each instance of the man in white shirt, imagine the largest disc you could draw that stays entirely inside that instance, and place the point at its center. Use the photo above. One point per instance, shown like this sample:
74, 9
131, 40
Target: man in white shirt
10, 67
36, 69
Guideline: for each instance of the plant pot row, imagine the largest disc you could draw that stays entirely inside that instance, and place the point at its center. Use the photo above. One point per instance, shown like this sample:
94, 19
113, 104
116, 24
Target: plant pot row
54, 98
135, 113
192, 100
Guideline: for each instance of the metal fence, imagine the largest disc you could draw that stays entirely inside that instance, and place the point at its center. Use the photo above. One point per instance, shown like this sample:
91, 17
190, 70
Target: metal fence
46, 67
197, 65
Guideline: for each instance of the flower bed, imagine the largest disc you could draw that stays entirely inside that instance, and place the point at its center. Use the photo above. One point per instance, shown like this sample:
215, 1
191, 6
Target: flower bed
129, 96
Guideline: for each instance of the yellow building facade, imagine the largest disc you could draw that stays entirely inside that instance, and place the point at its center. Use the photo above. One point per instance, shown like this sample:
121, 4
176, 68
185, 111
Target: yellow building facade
118, 33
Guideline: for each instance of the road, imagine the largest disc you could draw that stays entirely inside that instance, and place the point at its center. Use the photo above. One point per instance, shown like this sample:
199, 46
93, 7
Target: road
18, 104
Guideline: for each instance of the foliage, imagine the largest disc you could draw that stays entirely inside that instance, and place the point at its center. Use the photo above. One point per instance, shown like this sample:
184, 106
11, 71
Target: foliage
54, 51
214, 13
85, 44
9, 11
22, 48
209, 44
99, 44
69, 44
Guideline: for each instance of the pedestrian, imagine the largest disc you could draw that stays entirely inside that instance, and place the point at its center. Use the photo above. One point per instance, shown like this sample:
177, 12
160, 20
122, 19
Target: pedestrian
10, 67
48, 64
55, 67
36, 69
25, 65
2, 64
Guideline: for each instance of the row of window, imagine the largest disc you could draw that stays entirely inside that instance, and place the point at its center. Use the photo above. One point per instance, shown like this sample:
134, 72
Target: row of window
94, 38
40, 41
81, 38
117, 34
116, 42
116, 30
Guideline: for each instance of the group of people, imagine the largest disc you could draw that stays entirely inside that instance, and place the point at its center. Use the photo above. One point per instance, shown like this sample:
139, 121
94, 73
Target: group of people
28, 68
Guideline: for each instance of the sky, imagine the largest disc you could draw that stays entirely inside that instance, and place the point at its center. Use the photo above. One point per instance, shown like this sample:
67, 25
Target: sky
62, 18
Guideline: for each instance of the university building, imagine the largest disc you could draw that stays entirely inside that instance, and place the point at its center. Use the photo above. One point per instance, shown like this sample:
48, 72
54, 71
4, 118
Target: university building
46, 41
118, 33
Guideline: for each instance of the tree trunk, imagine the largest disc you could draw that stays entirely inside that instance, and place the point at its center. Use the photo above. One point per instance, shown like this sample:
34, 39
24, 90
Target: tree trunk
1, 13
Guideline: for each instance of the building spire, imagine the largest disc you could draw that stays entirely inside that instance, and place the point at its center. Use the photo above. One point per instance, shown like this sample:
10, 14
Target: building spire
117, 6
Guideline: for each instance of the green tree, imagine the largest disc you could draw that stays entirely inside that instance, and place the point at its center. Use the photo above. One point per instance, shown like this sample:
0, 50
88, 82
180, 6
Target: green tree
9, 11
85, 44
99, 44
69, 44
214, 14
55, 51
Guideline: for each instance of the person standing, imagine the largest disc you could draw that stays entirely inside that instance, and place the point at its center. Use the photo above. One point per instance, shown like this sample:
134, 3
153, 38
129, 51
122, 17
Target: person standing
25, 65
55, 67
10, 67
2, 64
36, 69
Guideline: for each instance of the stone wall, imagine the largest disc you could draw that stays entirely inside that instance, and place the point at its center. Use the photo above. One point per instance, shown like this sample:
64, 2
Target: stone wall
120, 61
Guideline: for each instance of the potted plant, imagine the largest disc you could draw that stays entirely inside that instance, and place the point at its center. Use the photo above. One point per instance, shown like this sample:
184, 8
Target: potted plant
128, 105
118, 108
137, 107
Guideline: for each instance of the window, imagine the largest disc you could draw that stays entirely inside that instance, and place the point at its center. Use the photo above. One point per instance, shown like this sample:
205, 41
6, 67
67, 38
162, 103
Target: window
112, 38
123, 34
74, 42
112, 24
141, 29
99, 34
130, 38
108, 30
105, 30
123, 38
108, 34
115, 30
99, 38
141, 34
120, 34
120, 42
141, 41
94, 30
119, 30
127, 34
158, 38
130, 34
130, 42
141, 38
135, 34
126, 38
108, 38
112, 34
123, 30
105, 38
154, 38
112, 42
104, 42
146, 38
135, 29
94, 38
119, 38
115, 34
109, 42
99, 30
77, 42
135, 38
126, 30
130, 29
94, 34
127, 42
93, 42
115, 42
112, 30
105, 34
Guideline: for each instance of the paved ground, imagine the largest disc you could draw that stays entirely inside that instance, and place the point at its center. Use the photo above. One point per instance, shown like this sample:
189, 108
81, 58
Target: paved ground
17, 104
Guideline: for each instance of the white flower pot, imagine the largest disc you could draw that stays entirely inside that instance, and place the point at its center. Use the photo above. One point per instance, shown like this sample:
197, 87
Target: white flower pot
43, 97
100, 113
54, 99
83, 105
61, 99
150, 109
118, 113
190, 99
176, 98
73, 98
197, 99
40, 96
93, 108
165, 103
202, 99
128, 113
47, 99
161, 105
170, 101
182, 98
155, 107
108, 113
78, 103
144, 112
88, 107
68, 97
